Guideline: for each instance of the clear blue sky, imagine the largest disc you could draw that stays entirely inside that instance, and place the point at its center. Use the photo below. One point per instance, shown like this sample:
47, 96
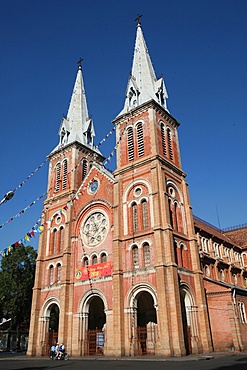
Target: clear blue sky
199, 47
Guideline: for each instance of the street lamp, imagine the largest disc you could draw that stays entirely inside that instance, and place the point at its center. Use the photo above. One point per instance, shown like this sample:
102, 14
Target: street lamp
9, 195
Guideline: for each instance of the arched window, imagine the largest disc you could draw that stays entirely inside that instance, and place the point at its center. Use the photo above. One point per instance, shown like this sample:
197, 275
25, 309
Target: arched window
59, 272
146, 252
61, 239
58, 177
170, 212
85, 261
65, 172
84, 169
144, 213
94, 260
169, 143
135, 256
54, 240
51, 274
135, 217
175, 216
140, 140
103, 258
163, 138
130, 144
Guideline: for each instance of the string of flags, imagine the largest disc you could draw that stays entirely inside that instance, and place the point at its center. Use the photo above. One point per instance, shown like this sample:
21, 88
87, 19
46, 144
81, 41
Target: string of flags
39, 227
43, 195
32, 173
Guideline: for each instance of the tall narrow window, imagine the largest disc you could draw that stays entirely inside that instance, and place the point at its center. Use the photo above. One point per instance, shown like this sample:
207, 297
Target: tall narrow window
65, 172
130, 144
84, 169
58, 177
144, 214
54, 240
61, 239
103, 257
170, 212
51, 275
94, 260
146, 252
59, 271
140, 140
135, 256
85, 261
169, 143
175, 216
135, 217
163, 138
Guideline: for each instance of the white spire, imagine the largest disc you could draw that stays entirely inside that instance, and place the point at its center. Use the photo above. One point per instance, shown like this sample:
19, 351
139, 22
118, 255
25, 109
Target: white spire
77, 126
143, 84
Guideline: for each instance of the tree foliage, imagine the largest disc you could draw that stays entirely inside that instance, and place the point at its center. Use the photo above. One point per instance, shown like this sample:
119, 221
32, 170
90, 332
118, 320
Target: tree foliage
17, 271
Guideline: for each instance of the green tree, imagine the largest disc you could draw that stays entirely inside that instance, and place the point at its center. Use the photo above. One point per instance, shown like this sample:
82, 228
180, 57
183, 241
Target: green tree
17, 271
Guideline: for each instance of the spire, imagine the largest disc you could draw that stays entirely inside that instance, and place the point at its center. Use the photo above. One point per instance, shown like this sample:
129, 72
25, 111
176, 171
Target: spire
143, 84
77, 126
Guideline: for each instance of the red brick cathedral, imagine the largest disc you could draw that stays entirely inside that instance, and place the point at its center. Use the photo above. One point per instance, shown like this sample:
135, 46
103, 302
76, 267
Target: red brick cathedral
123, 267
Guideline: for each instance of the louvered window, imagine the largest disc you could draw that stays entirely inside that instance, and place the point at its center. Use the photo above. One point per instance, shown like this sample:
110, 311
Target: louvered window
169, 143
163, 138
58, 177
130, 144
65, 172
84, 169
140, 140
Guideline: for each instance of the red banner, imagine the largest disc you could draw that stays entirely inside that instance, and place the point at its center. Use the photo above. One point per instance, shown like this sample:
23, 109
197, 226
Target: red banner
95, 271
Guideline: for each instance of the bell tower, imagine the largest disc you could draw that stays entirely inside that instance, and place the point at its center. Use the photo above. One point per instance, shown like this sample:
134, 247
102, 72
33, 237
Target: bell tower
70, 162
154, 237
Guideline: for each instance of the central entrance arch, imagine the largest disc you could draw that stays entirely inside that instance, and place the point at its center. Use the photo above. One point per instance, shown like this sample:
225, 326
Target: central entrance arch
94, 323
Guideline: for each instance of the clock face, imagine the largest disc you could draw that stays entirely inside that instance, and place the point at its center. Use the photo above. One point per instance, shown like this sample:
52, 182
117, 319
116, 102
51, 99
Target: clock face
94, 229
93, 186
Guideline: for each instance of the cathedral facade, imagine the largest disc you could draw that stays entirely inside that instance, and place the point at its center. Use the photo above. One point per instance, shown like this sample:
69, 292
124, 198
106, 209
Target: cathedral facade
123, 267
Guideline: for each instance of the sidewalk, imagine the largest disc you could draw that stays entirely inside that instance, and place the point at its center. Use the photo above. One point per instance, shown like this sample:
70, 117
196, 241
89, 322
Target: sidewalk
197, 357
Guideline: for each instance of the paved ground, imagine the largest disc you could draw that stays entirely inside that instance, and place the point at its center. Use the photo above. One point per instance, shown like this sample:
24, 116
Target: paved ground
217, 361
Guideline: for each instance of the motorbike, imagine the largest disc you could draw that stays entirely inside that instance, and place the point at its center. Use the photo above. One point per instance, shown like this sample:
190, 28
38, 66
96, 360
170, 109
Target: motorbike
62, 356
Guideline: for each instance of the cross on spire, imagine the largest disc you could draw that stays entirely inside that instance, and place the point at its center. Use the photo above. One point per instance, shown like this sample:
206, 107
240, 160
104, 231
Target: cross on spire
80, 62
138, 19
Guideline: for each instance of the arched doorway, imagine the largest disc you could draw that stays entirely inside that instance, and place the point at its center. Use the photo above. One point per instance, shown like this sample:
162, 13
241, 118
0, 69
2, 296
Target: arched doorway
53, 326
146, 323
96, 322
